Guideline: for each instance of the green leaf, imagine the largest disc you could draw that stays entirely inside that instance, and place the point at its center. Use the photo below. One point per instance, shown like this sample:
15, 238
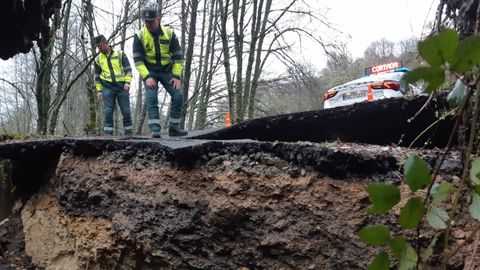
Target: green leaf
441, 192
440, 48
474, 207
467, 54
412, 213
383, 197
380, 262
475, 172
427, 253
435, 77
437, 218
398, 245
377, 235
409, 259
417, 173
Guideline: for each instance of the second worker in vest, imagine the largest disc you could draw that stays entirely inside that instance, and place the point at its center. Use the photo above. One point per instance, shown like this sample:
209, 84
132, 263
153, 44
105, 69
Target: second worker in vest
158, 57
112, 81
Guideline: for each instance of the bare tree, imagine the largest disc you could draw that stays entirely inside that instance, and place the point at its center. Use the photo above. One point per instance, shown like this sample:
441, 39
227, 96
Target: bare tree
61, 64
94, 113
191, 104
251, 89
258, 33
226, 54
208, 69
382, 49
140, 110
44, 71
189, 54
238, 16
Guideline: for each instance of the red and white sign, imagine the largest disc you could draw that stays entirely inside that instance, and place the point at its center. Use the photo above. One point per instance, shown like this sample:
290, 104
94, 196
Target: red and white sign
383, 68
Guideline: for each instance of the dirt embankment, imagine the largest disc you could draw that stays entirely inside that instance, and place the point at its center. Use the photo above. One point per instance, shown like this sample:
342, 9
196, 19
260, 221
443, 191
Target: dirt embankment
217, 205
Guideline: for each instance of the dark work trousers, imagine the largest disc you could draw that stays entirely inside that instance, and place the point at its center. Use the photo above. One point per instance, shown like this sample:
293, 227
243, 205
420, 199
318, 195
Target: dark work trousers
151, 100
110, 96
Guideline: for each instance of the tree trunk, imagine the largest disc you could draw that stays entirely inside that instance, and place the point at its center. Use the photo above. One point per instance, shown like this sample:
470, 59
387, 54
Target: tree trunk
238, 37
192, 104
44, 72
140, 108
255, 30
61, 67
226, 56
258, 70
183, 26
123, 33
189, 57
43, 90
93, 109
207, 72
124, 25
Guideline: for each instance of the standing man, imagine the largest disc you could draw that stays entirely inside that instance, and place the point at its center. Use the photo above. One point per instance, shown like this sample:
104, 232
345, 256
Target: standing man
112, 81
158, 57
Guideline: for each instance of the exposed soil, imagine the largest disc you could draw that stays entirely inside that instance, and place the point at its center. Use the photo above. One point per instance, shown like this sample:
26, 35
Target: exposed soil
245, 205
12, 245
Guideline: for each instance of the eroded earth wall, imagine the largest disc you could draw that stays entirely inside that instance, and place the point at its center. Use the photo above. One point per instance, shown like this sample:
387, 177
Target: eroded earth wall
115, 204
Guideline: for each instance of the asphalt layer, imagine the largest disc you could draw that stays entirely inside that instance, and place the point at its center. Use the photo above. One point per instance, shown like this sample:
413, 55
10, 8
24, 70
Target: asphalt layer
396, 121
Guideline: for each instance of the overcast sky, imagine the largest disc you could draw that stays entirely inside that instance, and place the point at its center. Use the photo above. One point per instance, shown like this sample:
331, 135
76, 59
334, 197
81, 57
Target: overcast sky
369, 20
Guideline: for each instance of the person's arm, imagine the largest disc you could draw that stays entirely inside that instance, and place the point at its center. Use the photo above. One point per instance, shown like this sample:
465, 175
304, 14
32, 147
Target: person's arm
139, 56
177, 57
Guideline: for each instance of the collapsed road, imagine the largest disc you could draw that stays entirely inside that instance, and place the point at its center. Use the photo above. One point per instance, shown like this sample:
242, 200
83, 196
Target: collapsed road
384, 122
275, 193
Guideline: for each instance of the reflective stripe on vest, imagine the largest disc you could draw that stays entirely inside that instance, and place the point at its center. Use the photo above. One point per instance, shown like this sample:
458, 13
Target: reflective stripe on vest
109, 63
148, 43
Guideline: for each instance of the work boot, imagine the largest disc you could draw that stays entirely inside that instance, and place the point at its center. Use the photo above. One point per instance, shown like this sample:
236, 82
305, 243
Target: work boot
155, 135
175, 131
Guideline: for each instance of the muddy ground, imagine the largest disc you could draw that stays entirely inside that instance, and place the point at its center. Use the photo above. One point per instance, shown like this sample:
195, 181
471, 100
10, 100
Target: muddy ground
217, 205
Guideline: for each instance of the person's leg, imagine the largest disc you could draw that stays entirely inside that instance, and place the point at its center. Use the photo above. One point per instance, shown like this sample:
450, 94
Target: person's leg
108, 106
151, 102
176, 105
124, 103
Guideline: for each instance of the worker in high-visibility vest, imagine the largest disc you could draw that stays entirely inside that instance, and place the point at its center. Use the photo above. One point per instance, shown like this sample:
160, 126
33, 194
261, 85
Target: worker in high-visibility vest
112, 81
158, 58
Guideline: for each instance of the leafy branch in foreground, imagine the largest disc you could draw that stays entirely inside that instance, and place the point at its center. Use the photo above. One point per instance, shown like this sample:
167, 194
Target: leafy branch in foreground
446, 56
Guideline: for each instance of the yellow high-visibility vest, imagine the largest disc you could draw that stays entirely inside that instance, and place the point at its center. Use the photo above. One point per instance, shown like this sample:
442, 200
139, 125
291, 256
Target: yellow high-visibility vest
148, 43
115, 71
